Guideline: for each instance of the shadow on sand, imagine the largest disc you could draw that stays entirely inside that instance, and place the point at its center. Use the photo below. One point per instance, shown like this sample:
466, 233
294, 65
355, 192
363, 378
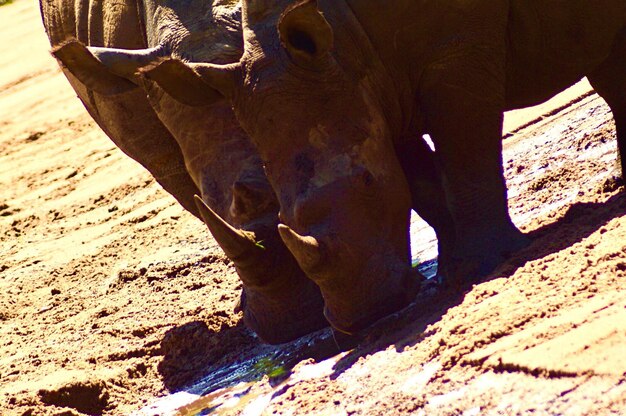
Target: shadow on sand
407, 328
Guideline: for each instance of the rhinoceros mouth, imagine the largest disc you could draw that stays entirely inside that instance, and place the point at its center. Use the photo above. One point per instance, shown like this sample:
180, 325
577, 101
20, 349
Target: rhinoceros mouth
367, 314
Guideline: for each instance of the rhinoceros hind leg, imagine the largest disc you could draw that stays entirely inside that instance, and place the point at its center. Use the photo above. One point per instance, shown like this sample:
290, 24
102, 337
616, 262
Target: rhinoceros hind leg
609, 80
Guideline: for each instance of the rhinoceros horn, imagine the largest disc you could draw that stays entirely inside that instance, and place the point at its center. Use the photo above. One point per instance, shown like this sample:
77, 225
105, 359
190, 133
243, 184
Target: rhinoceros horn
306, 250
238, 245
105, 70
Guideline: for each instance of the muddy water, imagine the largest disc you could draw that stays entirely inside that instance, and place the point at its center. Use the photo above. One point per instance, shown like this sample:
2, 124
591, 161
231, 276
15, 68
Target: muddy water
229, 388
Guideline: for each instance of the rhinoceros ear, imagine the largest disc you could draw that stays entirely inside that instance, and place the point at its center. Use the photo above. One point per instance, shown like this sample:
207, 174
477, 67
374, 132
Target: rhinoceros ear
305, 33
195, 84
80, 62
126, 62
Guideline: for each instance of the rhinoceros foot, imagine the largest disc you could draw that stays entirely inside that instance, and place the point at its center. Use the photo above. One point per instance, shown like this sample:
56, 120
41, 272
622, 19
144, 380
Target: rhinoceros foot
479, 254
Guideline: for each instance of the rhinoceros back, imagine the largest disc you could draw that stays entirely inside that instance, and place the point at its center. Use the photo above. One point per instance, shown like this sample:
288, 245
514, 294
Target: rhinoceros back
552, 42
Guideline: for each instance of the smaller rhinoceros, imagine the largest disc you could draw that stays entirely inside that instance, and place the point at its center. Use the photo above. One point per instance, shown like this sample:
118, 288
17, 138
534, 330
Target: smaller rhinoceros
279, 302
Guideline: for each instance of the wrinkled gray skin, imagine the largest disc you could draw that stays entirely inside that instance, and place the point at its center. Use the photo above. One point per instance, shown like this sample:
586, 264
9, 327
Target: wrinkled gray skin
213, 155
331, 91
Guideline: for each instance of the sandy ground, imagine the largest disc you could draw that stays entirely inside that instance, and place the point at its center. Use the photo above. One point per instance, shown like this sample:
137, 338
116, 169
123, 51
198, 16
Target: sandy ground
112, 296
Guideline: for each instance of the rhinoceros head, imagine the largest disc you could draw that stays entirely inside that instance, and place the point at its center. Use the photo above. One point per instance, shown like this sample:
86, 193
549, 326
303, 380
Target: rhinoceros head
325, 139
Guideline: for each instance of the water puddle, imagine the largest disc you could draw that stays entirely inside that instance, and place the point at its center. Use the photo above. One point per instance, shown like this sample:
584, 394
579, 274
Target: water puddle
246, 401
423, 246
246, 387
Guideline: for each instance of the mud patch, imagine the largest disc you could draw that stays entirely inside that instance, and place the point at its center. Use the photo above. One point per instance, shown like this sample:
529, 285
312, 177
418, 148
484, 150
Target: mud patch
189, 350
76, 390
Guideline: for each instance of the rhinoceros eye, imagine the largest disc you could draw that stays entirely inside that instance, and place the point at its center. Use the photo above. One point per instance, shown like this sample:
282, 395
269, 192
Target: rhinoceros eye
367, 178
304, 165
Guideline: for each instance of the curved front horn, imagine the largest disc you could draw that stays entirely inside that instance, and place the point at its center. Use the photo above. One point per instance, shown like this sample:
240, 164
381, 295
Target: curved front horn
306, 250
238, 245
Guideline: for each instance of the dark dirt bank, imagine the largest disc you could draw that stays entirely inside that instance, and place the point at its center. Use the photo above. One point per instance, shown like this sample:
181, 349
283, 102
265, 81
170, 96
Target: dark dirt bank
111, 295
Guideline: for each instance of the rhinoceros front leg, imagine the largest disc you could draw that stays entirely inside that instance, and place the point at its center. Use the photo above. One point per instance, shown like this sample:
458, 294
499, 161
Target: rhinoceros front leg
462, 100
609, 80
427, 195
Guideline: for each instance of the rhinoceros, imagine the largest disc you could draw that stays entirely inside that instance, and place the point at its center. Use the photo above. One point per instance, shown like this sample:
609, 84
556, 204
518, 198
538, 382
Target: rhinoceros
212, 154
332, 93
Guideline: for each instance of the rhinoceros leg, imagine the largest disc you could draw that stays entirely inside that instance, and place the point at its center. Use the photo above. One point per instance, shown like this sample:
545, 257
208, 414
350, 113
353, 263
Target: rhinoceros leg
427, 194
463, 99
609, 80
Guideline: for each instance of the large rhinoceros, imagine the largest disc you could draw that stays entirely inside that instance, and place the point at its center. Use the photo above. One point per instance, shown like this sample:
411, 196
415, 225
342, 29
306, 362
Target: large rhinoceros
206, 145
332, 93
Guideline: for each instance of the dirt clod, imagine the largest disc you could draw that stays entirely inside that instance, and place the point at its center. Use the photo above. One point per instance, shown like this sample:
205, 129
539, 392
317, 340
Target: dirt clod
86, 396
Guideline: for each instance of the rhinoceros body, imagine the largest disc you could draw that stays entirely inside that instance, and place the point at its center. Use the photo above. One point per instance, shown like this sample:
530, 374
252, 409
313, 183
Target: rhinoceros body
188, 150
333, 93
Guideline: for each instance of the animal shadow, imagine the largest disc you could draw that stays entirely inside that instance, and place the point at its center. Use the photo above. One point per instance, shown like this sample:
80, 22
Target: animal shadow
409, 326
580, 221
191, 350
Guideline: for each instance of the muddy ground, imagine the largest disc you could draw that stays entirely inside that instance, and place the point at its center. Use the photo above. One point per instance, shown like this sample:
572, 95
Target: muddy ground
112, 296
